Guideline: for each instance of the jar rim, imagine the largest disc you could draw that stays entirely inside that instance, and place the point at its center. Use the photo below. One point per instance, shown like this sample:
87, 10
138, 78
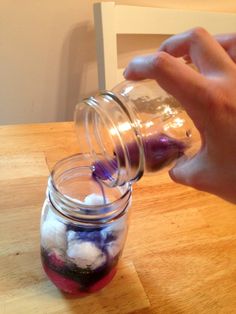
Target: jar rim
122, 128
75, 208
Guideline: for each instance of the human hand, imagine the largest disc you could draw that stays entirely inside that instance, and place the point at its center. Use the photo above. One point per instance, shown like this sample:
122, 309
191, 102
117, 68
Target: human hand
209, 97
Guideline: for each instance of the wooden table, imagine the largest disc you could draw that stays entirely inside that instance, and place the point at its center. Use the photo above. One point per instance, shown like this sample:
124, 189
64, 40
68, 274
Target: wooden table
180, 256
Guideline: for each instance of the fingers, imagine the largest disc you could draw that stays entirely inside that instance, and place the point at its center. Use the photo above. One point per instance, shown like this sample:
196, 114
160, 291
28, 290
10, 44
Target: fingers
142, 67
175, 77
228, 42
203, 49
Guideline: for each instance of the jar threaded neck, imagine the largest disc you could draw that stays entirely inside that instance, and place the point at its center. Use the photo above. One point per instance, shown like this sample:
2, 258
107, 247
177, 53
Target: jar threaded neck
72, 180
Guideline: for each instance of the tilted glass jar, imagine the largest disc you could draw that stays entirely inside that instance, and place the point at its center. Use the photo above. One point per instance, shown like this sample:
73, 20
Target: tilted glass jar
83, 227
135, 128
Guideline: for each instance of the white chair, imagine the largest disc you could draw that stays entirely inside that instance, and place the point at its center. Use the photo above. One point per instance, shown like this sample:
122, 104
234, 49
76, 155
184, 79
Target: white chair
111, 19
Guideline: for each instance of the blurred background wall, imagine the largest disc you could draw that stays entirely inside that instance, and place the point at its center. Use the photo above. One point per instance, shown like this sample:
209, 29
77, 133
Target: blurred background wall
48, 55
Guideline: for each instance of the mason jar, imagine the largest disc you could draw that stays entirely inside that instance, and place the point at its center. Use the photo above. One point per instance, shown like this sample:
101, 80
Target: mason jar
83, 227
133, 129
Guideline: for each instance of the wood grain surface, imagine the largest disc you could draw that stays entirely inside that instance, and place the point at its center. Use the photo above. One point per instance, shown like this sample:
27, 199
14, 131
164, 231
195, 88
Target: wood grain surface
180, 255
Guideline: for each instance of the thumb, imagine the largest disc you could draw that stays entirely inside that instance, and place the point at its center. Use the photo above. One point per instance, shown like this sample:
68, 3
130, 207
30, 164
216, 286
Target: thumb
191, 172
202, 174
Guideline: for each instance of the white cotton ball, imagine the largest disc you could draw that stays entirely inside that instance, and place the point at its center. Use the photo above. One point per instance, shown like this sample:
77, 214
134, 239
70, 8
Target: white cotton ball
71, 235
53, 234
118, 227
85, 254
119, 231
95, 199
113, 248
57, 257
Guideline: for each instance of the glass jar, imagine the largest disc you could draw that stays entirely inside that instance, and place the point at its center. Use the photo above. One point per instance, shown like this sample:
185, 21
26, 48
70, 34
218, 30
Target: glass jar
137, 127
83, 227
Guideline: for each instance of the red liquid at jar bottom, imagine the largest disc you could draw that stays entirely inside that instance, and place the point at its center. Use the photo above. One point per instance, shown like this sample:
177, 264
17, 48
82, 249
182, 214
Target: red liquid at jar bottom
62, 277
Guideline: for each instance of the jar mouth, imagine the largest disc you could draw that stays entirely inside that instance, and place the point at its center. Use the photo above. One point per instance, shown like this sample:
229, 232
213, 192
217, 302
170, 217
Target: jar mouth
77, 193
103, 139
107, 132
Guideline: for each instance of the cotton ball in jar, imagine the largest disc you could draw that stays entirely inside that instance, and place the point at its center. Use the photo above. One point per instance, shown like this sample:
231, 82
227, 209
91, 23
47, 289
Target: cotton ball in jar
113, 248
95, 199
53, 233
85, 254
116, 234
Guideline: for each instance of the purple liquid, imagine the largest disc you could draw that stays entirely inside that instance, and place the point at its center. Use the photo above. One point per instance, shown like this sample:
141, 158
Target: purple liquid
160, 150
104, 169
